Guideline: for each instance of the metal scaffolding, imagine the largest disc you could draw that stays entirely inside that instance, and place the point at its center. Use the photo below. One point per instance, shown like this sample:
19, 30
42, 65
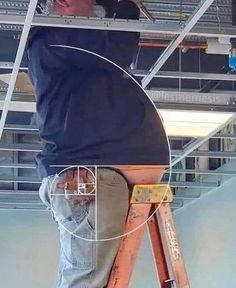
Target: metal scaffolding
175, 28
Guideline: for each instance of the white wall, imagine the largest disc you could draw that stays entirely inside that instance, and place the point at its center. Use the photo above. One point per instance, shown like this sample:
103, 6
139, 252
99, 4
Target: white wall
28, 250
207, 230
29, 253
144, 275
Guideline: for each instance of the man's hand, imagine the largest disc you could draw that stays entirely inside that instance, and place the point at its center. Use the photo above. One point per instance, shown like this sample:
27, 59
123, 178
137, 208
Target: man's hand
79, 189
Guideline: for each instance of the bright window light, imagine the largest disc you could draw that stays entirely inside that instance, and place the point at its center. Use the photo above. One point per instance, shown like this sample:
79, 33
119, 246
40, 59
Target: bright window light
192, 123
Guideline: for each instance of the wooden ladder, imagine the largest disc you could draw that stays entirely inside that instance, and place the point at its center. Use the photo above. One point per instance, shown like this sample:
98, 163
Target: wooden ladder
170, 268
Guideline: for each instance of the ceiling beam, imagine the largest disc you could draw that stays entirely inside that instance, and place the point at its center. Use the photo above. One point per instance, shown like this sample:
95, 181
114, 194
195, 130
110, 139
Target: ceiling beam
17, 127
159, 74
186, 75
186, 184
19, 106
21, 147
19, 179
9, 65
206, 154
13, 207
19, 192
17, 165
157, 27
201, 172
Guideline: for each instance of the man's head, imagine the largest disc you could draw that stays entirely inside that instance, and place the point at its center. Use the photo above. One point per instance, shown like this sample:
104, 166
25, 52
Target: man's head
67, 7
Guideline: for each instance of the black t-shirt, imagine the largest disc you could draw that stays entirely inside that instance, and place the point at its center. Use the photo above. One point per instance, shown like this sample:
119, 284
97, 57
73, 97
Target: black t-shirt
88, 112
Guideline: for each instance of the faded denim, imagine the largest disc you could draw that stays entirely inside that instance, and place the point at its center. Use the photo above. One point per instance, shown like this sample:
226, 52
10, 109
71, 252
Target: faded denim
83, 263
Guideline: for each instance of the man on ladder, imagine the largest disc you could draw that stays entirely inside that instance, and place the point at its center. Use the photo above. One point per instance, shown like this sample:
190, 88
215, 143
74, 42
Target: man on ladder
90, 114
149, 204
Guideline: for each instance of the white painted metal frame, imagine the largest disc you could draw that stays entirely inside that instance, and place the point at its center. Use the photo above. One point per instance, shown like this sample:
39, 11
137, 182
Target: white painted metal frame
198, 142
9, 65
199, 11
19, 106
160, 74
143, 26
157, 26
186, 75
16, 66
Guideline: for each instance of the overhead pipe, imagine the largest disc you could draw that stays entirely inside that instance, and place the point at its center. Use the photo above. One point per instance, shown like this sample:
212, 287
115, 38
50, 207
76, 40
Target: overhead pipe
158, 43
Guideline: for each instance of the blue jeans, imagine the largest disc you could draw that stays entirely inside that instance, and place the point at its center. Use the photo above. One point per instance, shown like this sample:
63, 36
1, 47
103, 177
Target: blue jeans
84, 263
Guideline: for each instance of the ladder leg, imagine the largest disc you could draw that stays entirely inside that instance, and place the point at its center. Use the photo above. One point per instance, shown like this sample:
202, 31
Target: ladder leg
158, 252
130, 244
169, 236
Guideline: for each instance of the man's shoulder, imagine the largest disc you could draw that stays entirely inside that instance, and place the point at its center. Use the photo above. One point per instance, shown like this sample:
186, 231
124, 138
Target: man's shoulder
66, 36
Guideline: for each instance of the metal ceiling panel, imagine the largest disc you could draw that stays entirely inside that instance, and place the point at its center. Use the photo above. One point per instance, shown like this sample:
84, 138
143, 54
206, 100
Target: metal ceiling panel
172, 15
